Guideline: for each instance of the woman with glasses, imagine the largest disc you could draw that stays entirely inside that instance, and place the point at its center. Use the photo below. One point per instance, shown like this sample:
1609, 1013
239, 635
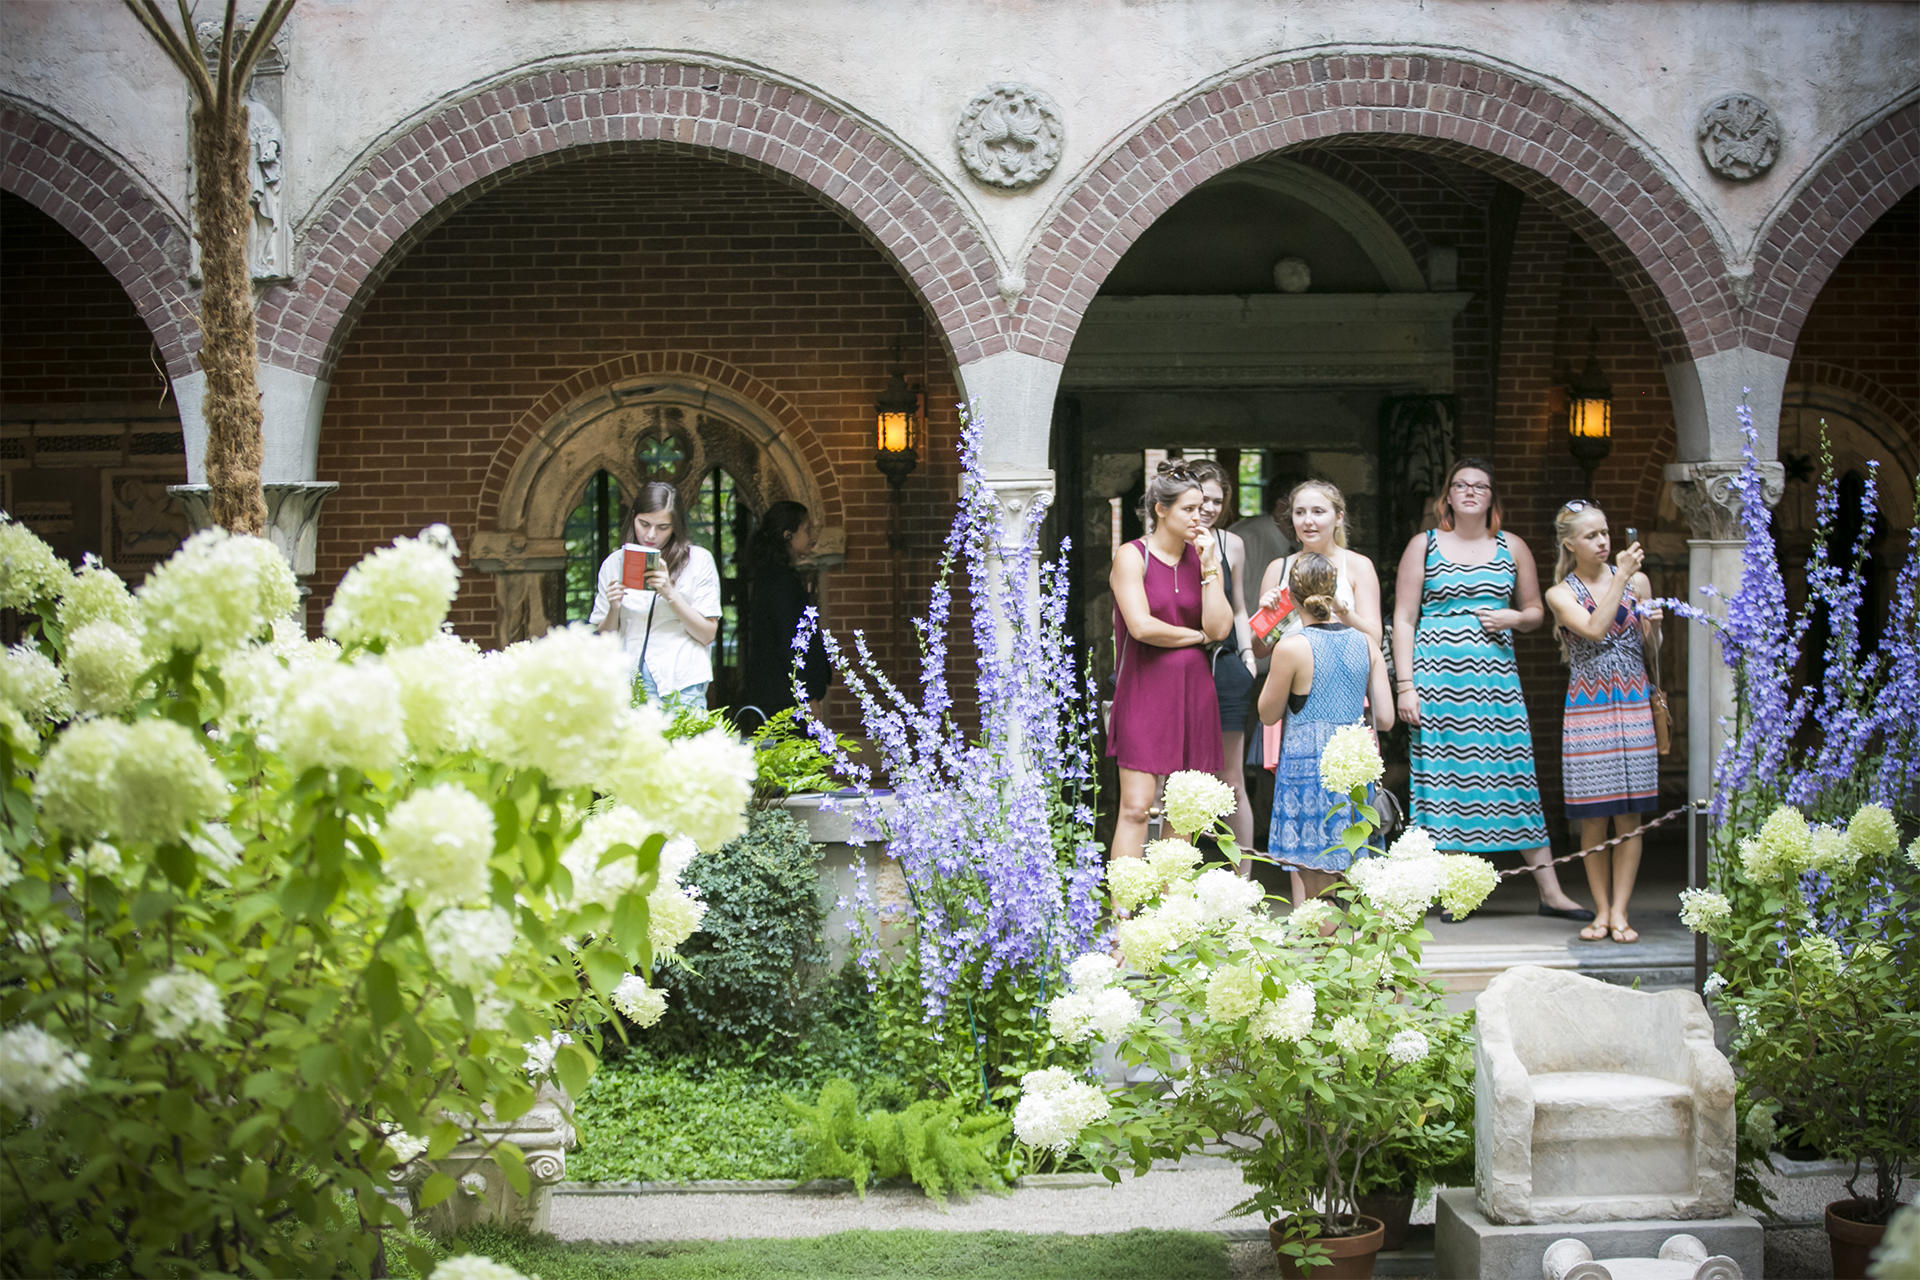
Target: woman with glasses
1168, 605
1462, 591
1233, 664
1608, 751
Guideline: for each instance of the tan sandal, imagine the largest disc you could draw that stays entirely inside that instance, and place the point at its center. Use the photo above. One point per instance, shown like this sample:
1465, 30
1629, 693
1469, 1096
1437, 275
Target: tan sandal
1594, 933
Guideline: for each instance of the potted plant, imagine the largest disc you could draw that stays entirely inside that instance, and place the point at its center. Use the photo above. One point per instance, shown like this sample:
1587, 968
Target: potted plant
1437, 1150
1297, 1053
1811, 899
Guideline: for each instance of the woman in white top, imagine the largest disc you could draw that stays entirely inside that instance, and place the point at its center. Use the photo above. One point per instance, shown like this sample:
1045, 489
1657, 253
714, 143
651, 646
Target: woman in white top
1320, 526
666, 627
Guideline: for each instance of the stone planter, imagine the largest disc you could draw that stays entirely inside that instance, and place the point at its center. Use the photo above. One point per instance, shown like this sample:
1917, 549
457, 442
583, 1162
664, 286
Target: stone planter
544, 1136
832, 832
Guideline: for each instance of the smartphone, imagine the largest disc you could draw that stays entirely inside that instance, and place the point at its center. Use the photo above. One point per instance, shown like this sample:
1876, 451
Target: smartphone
1633, 535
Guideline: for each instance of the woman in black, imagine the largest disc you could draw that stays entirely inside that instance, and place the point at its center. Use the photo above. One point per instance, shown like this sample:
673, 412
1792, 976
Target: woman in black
777, 597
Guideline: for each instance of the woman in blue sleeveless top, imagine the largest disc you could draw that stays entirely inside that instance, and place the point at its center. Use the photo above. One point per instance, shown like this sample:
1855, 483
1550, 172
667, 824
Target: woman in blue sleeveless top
1318, 680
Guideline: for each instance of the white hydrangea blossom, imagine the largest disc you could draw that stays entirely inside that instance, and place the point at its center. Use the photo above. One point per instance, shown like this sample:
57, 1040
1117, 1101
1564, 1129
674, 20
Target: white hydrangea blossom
697, 786
541, 1053
439, 681
1092, 972
473, 1266
1054, 1107
1105, 1012
38, 1070
148, 781
1233, 992
1131, 881
97, 594
1818, 950
1290, 1018
180, 1003
9, 869
599, 833
1781, 850
405, 1146
1714, 985
1194, 801
33, 685
1704, 911
643, 1005
1913, 853
549, 705
1143, 940
1465, 882
467, 946
340, 715
1400, 889
97, 859
215, 593
104, 664
1349, 1034
1350, 759
1873, 833
438, 841
1307, 919
1414, 842
674, 914
1222, 895
399, 594
1408, 1046
29, 570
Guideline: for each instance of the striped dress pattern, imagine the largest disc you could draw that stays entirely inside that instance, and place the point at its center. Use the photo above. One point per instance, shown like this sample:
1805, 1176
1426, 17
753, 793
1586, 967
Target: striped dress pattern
1608, 751
1474, 787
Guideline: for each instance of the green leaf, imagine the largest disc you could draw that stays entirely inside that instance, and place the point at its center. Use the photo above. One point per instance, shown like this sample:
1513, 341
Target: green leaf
514, 1165
604, 968
383, 992
436, 1188
317, 1062
574, 1065
630, 922
150, 906
177, 862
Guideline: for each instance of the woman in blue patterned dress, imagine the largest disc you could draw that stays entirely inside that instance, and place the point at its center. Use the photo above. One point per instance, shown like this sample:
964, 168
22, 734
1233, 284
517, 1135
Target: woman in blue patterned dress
1462, 591
1318, 679
1608, 752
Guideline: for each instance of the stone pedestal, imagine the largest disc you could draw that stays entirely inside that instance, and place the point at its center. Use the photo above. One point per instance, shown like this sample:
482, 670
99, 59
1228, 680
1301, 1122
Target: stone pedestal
484, 1195
1466, 1244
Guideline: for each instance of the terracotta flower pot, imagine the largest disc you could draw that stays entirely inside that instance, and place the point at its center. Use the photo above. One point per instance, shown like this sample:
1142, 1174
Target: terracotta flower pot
1851, 1241
1352, 1255
1394, 1209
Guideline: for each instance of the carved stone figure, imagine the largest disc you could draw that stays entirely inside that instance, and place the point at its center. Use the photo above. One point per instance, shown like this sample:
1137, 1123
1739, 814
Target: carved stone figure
1009, 136
266, 244
1739, 137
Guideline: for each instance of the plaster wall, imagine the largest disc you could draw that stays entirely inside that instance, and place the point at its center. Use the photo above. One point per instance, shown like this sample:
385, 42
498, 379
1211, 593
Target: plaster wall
360, 69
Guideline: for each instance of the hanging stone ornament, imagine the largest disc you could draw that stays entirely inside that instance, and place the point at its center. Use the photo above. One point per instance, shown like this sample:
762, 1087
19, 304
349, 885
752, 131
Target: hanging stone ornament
1010, 136
1739, 136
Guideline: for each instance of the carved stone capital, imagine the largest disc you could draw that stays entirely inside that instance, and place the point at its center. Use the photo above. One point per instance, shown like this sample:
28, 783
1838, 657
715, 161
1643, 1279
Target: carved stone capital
273, 59
293, 515
543, 1134
1009, 136
1018, 499
1708, 495
1739, 137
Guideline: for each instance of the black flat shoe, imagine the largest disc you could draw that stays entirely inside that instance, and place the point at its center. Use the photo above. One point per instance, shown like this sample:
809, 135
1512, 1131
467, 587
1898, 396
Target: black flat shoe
1566, 913
1447, 917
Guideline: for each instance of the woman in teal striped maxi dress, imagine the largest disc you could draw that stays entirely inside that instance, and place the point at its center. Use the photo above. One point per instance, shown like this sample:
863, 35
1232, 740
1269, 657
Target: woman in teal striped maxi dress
1463, 591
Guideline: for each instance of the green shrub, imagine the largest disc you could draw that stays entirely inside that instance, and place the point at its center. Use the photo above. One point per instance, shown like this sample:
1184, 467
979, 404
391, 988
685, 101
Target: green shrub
788, 762
747, 976
932, 1143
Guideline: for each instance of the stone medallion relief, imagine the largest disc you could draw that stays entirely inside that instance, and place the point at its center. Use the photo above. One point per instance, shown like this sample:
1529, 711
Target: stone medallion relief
1010, 136
1739, 137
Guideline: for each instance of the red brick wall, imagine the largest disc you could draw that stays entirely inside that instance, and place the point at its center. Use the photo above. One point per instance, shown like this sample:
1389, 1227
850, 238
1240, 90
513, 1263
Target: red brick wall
1562, 302
580, 264
69, 334
1866, 320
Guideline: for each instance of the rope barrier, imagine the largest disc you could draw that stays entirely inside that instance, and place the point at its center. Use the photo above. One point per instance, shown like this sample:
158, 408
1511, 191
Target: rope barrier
1644, 827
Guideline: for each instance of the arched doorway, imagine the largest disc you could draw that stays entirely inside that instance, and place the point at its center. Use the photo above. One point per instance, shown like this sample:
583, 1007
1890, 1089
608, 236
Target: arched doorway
563, 506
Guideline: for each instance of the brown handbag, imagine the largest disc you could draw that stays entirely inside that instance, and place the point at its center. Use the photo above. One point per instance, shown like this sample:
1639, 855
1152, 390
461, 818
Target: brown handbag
1657, 700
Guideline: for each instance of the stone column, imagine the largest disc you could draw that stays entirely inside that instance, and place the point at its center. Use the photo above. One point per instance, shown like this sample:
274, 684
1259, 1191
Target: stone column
293, 517
1706, 495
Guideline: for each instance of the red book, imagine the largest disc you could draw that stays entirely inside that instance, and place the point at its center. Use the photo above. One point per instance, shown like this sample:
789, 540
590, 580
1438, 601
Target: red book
1268, 620
635, 565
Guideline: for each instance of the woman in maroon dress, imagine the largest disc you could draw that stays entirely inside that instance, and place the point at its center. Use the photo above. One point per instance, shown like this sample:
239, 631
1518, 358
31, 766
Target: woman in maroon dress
1168, 604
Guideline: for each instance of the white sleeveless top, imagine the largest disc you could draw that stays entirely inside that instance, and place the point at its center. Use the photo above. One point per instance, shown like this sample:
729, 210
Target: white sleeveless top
1342, 593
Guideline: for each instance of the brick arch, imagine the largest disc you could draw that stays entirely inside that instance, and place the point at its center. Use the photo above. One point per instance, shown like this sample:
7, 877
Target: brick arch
101, 205
1526, 133
1803, 245
397, 195
1804, 375
683, 365
1375, 193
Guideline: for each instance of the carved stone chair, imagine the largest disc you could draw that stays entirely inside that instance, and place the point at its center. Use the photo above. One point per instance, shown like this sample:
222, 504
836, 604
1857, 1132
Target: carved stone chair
1597, 1103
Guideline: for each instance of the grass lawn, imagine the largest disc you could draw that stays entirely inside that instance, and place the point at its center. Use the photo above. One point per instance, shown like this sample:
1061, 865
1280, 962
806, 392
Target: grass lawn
864, 1255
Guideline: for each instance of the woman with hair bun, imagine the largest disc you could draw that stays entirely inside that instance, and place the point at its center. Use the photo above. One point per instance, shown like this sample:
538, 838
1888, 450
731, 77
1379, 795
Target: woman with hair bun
1319, 680
777, 597
1463, 590
1168, 604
